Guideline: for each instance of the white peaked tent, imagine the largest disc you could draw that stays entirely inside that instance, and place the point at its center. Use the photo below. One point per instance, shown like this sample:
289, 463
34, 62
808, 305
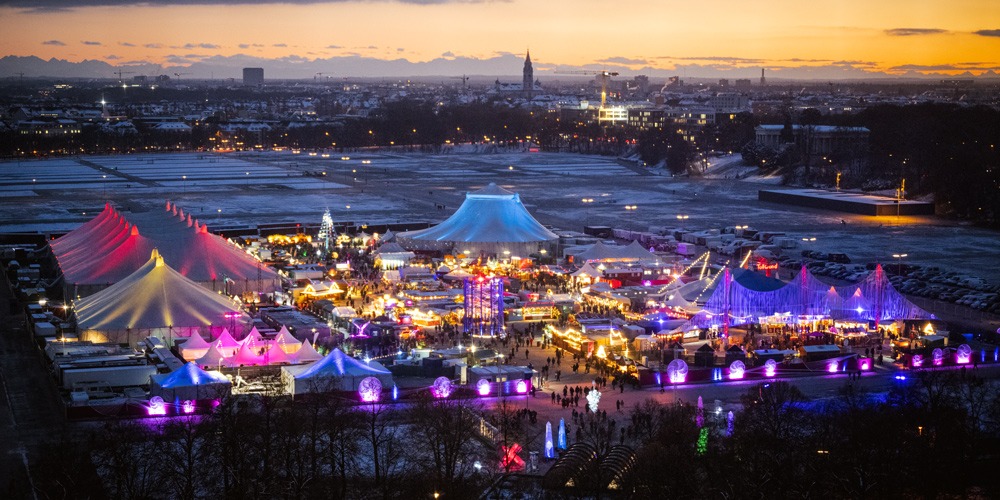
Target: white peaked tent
335, 372
307, 353
194, 347
286, 342
394, 256
491, 221
189, 383
599, 252
226, 344
588, 271
212, 359
155, 301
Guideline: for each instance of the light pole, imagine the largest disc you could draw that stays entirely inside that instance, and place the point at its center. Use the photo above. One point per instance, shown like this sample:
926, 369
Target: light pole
631, 210
683, 218
184, 179
899, 262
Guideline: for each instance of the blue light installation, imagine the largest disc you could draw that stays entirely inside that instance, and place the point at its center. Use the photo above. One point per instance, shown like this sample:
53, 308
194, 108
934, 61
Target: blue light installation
562, 434
483, 307
550, 449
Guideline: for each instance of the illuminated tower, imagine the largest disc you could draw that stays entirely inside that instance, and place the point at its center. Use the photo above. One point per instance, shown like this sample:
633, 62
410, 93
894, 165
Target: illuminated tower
326, 230
483, 307
763, 82
528, 79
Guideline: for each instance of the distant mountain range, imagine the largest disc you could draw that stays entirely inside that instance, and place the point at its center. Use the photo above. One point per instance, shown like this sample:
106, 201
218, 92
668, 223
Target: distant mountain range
296, 67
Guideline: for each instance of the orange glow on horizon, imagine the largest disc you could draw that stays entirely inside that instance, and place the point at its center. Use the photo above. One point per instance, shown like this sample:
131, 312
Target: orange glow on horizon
635, 35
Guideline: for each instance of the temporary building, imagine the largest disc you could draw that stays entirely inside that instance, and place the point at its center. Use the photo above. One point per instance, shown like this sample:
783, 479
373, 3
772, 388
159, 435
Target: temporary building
286, 342
393, 256
253, 336
226, 344
194, 347
599, 252
212, 359
335, 372
111, 246
153, 301
189, 383
247, 356
277, 356
491, 221
307, 353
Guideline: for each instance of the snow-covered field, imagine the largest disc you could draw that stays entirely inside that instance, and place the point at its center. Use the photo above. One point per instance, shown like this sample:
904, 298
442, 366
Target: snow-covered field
251, 188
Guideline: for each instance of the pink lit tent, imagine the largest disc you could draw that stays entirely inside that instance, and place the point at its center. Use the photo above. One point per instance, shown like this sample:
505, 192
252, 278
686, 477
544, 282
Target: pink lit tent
246, 356
109, 247
253, 336
277, 356
226, 344
155, 300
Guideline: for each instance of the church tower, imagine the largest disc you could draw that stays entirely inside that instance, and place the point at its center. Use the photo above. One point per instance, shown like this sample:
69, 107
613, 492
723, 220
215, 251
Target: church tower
528, 79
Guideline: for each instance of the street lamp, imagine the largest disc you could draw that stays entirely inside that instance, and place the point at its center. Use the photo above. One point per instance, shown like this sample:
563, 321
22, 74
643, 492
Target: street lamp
899, 262
682, 218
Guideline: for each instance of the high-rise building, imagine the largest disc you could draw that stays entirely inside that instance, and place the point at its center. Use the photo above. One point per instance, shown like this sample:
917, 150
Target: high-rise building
253, 77
763, 82
528, 77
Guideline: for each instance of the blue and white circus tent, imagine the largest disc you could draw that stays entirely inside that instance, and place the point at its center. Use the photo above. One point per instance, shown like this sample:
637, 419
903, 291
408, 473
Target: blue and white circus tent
491, 221
334, 372
872, 299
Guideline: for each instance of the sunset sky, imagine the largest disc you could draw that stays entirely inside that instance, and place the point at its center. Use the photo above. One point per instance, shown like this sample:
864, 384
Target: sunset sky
710, 36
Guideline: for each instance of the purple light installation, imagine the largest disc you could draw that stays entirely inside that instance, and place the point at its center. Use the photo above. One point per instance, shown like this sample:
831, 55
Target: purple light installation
442, 387
521, 387
917, 361
770, 366
370, 389
187, 406
938, 356
832, 367
737, 370
677, 371
483, 387
865, 364
156, 407
963, 355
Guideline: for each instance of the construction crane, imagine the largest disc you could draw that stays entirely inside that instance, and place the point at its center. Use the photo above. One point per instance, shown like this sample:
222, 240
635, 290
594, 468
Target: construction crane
120, 73
320, 74
178, 76
604, 75
465, 80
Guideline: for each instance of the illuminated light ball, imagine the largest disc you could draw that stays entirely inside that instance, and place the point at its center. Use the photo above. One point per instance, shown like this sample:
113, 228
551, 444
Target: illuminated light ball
521, 387
917, 361
964, 354
483, 387
832, 367
770, 367
737, 370
370, 389
187, 406
442, 387
677, 371
865, 364
156, 406
938, 356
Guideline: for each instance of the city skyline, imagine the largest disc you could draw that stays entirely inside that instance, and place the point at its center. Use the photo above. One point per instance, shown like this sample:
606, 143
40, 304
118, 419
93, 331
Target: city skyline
300, 39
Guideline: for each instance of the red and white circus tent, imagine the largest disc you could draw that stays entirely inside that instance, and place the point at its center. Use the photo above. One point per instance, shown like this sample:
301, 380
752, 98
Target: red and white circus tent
111, 246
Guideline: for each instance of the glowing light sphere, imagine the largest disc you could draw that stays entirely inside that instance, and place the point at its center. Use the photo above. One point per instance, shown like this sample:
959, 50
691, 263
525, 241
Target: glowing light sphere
770, 367
964, 354
156, 406
677, 371
521, 387
593, 398
370, 389
187, 406
865, 364
938, 356
832, 366
442, 387
917, 361
737, 370
483, 387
